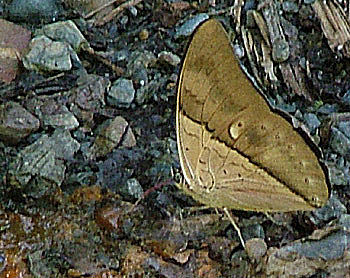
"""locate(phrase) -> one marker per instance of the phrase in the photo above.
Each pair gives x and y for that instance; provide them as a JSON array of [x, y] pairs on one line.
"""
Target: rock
[[312, 122], [60, 117], [290, 7], [344, 127], [39, 167], [65, 145], [90, 93], [169, 58], [131, 190], [320, 249], [146, 92], [340, 143], [304, 259], [129, 139], [88, 98], [189, 26], [121, 94], [220, 248], [280, 50], [121, 55], [253, 231], [344, 221], [48, 55], [64, 31], [144, 34], [35, 11], [256, 248], [16, 123], [110, 135], [332, 210], [118, 167], [14, 42], [328, 109], [137, 66], [339, 172], [346, 98]]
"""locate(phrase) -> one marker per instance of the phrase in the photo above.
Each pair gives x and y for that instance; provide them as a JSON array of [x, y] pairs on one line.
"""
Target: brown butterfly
[[235, 151]]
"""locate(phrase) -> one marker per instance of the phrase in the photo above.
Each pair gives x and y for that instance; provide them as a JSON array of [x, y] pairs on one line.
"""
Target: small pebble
[[121, 94], [312, 122], [169, 58], [255, 248], [290, 7], [190, 25], [144, 34]]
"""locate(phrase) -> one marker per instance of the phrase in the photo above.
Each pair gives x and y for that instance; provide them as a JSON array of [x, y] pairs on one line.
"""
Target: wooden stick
[[116, 11]]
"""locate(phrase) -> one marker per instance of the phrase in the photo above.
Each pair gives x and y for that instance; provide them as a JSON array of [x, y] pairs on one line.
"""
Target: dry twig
[[116, 11]]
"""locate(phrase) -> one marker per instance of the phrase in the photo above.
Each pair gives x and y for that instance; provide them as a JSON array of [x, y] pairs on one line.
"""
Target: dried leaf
[[335, 25]]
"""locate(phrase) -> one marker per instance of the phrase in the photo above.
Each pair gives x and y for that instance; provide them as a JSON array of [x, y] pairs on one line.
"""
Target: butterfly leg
[[235, 226]]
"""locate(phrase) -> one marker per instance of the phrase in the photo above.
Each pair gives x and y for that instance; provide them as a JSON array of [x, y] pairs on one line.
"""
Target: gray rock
[[346, 97], [40, 166], [121, 55], [38, 159], [239, 51], [65, 145], [303, 258], [256, 248], [339, 176], [129, 139], [133, 10], [16, 123], [344, 127], [131, 190], [312, 122], [339, 142], [328, 109], [90, 93], [110, 134], [34, 10], [169, 58], [253, 231], [48, 55], [62, 118], [328, 248], [121, 94], [339, 173], [282, 105], [64, 31], [81, 178], [280, 50], [145, 58], [138, 64], [172, 145], [189, 26], [290, 7], [344, 221], [88, 98], [146, 92], [333, 209], [124, 20]]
